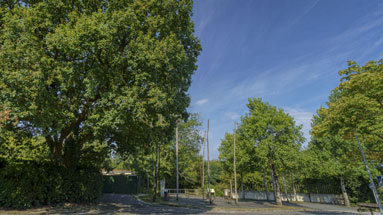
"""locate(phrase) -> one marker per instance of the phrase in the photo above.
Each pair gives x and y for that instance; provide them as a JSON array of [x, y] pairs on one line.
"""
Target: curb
[[141, 201], [165, 204]]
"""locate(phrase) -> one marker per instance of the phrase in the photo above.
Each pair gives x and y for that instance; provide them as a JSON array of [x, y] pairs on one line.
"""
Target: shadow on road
[[120, 203]]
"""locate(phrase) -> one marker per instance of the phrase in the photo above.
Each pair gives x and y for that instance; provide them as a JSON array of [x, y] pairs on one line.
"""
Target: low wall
[[300, 197]]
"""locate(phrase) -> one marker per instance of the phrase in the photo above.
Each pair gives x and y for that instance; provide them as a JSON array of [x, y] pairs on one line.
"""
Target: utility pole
[[372, 185], [158, 171], [235, 170], [208, 162], [203, 168], [177, 157]]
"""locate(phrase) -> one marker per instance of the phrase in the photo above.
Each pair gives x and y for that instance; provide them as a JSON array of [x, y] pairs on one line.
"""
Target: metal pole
[[208, 162], [235, 170], [203, 168], [155, 175], [369, 175], [177, 158]]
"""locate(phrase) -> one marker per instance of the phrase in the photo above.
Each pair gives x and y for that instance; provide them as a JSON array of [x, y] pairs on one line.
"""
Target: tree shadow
[[120, 203]]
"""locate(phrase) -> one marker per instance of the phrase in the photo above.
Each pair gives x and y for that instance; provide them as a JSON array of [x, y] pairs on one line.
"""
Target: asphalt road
[[127, 204], [221, 206]]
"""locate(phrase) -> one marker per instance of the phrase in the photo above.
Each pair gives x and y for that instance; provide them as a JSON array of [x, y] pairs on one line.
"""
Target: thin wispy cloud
[[232, 116], [301, 117], [287, 53], [202, 101]]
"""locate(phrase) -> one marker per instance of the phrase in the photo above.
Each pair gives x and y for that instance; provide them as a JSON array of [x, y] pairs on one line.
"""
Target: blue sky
[[287, 52]]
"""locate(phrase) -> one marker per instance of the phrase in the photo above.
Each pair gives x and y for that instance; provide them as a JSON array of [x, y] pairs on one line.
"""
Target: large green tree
[[354, 107], [111, 71], [272, 138]]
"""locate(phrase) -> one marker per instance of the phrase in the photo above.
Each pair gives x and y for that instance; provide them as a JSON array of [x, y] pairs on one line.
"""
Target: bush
[[27, 183]]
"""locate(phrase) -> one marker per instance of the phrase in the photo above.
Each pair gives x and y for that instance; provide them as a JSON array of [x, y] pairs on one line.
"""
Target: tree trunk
[[71, 154], [243, 192], [278, 200], [273, 183], [284, 185], [345, 195], [265, 183], [147, 182], [293, 186], [155, 175], [56, 149]]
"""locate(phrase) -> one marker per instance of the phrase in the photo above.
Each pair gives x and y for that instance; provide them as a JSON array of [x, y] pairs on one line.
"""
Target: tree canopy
[[356, 105], [76, 72], [268, 138]]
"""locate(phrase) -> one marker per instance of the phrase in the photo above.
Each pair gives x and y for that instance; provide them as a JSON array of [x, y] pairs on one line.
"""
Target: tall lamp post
[[235, 170], [372, 184], [177, 159]]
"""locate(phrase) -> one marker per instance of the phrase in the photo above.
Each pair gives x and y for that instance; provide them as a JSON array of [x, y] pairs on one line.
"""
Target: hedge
[[28, 183]]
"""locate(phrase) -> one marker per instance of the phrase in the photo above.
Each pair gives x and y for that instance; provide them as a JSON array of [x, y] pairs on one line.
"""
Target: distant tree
[[226, 155], [245, 163], [272, 138], [95, 72], [190, 161]]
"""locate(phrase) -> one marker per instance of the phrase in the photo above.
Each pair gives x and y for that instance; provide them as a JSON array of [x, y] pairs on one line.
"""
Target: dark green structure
[[122, 184]]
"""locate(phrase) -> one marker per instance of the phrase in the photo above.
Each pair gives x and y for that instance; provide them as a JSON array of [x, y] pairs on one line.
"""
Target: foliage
[[78, 72], [245, 163], [226, 154], [267, 137], [26, 183], [190, 162], [270, 135], [215, 172], [14, 145], [81, 79], [356, 105]]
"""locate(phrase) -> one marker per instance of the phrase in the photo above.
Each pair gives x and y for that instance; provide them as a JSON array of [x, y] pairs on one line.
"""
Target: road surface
[[127, 204]]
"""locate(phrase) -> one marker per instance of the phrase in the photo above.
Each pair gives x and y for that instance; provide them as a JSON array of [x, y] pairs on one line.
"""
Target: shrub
[[27, 183]]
